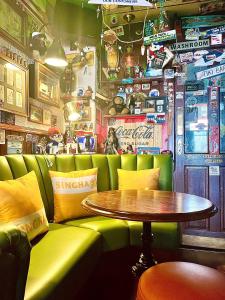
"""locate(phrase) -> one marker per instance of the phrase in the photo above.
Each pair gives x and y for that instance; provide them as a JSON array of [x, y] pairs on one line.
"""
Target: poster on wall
[[137, 134], [2, 137]]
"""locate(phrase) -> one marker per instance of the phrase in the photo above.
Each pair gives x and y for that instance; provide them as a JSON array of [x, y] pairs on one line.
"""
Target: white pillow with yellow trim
[[69, 190], [21, 205]]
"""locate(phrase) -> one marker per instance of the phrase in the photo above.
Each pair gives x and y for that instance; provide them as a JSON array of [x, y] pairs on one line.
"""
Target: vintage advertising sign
[[211, 72], [160, 37], [216, 30], [189, 45], [122, 2], [138, 134], [203, 21]]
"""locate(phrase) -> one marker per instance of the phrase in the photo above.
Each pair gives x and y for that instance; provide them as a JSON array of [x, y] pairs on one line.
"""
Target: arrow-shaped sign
[[122, 2]]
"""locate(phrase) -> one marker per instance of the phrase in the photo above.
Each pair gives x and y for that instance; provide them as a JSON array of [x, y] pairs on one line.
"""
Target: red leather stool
[[181, 281]]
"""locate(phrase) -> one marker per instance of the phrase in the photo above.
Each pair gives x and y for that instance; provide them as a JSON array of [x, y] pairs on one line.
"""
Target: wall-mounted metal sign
[[160, 37], [210, 72], [189, 45], [122, 2]]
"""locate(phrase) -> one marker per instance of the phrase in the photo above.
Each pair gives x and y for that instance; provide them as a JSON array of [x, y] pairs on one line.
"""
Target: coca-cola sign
[[138, 134], [141, 132]]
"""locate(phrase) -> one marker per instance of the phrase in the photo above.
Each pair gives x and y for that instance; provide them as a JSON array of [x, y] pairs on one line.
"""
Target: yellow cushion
[[141, 179], [21, 205], [69, 190]]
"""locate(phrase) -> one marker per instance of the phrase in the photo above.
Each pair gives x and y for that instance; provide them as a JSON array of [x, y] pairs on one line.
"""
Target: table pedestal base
[[146, 258]]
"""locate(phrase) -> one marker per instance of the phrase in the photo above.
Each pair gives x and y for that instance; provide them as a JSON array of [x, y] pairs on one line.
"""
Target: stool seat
[[181, 281]]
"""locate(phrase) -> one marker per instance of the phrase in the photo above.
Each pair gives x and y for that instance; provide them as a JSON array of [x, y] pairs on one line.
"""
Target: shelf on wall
[[140, 116], [135, 80], [22, 129]]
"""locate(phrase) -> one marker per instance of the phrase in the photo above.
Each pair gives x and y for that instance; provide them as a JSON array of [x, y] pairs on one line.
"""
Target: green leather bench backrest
[[14, 166]]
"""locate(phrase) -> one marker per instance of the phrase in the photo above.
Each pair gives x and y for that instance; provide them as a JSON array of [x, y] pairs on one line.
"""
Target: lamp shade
[[72, 111], [55, 55]]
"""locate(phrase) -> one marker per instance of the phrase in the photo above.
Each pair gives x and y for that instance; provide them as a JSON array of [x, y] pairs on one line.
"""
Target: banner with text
[[122, 2]]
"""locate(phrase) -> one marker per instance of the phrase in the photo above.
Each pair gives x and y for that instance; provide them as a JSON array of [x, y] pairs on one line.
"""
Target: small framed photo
[[80, 92], [47, 117], [53, 121], [150, 103], [145, 86], [86, 114], [36, 114]]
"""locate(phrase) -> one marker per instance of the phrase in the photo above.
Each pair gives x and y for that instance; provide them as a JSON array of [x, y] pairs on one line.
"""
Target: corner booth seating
[[61, 259]]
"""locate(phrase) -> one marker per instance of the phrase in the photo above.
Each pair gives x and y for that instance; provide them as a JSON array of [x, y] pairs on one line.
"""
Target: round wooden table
[[147, 206]]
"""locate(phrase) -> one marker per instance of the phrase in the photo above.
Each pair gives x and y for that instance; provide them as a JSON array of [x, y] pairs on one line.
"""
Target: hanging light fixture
[[72, 111], [55, 55]]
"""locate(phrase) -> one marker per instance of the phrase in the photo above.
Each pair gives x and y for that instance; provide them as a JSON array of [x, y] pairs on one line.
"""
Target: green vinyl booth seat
[[67, 254]]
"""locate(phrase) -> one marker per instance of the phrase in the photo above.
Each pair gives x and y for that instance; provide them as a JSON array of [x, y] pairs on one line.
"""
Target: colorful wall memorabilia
[[203, 21], [160, 37]]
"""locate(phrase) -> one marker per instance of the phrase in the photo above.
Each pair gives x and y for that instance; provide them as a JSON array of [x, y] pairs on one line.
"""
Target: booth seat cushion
[[62, 249], [115, 233], [166, 235]]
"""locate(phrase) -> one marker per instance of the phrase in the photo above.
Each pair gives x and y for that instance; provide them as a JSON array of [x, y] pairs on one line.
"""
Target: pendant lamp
[[55, 55]]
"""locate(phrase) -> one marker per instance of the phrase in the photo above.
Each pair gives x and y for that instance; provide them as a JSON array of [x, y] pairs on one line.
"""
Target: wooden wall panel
[[196, 182]]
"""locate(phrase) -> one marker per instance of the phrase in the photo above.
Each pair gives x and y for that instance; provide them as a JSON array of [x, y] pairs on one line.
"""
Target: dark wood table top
[[149, 205]]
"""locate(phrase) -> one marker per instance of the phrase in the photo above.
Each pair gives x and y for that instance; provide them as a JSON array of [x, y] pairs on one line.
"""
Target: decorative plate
[[154, 93]]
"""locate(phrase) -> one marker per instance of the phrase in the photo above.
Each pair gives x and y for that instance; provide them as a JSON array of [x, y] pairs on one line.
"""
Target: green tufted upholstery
[[115, 233], [55, 254], [72, 249]]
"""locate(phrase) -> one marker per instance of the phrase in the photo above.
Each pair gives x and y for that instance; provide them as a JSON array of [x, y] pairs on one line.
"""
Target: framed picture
[[13, 86], [2, 137], [36, 114], [86, 114], [44, 84], [47, 117], [12, 23], [145, 86], [150, 103], [7, 118], [53, 120]]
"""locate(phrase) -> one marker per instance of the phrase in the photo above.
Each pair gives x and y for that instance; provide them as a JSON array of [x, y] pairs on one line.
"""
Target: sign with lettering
[[211, 72], [189, 45], [122, 2], [160, 37], [214, 171], [216, 30], [138, 134], [203, 21]]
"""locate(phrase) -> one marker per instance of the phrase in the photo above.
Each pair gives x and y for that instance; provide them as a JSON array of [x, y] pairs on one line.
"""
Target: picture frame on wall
[[13, 86], [12, 23], [86, 114], [36, 114], [44, 84], [47, 117], [53, 121]]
